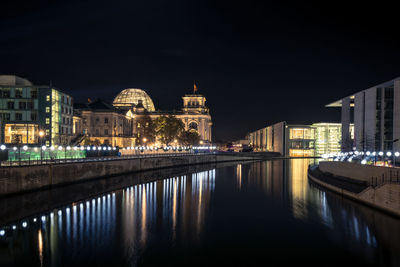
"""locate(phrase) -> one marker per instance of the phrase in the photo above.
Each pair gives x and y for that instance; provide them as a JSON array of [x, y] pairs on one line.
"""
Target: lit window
[[47, 120], [301, 133], [193, 125], [301, 152], [47, 109], [47, 98], [21, 133]]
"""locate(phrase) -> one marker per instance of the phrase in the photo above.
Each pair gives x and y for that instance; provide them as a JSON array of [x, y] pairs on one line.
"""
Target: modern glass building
[[376, 115], [299, 140], [328, 137], [31, 114]]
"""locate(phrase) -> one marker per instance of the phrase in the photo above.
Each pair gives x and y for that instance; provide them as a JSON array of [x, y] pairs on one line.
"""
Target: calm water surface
[[250, 214]]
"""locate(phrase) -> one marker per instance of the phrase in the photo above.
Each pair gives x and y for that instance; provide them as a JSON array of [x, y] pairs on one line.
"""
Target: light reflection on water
[[122, 226]]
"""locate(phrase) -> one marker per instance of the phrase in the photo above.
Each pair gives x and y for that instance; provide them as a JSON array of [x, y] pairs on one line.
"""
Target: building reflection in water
[[267, 177], [298, 186], [181, 201], [124, 223], [287, 180], [170, 207]]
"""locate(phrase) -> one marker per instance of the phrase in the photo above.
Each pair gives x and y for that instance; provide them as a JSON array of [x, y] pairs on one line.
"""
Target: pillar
[[345, 118]]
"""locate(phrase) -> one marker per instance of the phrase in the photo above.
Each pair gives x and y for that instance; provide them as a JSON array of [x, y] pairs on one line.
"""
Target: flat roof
[[338, 103]]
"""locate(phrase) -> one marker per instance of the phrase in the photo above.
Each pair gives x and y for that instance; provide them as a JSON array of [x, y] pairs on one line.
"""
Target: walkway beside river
[[20, 179], [384, 196]]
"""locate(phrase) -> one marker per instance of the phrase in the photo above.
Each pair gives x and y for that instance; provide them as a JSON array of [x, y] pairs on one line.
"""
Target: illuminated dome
[[131, 97]]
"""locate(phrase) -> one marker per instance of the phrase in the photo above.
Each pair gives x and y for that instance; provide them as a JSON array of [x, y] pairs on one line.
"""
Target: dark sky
[[257, 62]]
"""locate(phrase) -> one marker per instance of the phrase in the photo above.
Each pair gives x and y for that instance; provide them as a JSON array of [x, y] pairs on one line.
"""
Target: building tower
[[196, 116]]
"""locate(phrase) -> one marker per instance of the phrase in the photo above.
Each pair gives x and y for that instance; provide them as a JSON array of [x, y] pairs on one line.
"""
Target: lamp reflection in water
[[40, 241], [172, 206], [144, 215], [239, 175]]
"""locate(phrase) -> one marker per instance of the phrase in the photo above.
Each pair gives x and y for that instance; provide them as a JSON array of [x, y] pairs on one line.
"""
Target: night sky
[[257, 62]]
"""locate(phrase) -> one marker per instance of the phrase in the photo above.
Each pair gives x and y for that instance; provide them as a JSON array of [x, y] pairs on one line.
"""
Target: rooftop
[[338, 103], [12, 80]]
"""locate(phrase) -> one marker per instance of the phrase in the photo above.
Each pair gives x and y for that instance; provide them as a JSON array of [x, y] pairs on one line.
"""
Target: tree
[[189, 138], [145, 128], [88, 142], [96, 142], [168, 128]]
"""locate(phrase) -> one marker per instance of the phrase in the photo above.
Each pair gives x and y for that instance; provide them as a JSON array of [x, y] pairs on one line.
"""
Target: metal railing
[[393, 177], [18, 163]]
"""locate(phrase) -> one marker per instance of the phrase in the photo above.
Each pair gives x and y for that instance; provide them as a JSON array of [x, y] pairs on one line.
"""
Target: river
[[247, 214]]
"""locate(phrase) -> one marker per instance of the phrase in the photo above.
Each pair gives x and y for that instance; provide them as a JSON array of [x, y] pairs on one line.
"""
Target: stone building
[[99, 122], [194, 114], [118, 124]]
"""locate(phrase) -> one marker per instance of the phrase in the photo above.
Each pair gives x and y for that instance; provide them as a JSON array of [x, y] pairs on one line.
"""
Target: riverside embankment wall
[[385, 197], [28, 178], [359, 172], [18, 206]]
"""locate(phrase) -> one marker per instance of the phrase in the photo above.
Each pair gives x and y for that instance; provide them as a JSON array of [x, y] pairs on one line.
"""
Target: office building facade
[[376, 115], [31, 114], [298, 140]]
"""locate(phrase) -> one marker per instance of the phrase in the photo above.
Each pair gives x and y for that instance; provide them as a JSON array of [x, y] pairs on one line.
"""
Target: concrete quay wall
[[18, 206], [385, 197], [360, 172], [29, 178]]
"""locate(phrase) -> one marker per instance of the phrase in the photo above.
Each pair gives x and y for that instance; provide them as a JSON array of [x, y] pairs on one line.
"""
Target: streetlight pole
[[393, 153], [41, 134]]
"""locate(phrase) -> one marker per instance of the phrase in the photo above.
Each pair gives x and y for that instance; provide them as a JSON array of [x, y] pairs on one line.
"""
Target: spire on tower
[[194, 87]]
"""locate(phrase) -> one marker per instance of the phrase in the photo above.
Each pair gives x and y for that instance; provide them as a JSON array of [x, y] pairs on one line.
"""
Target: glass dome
[[130, 97]]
